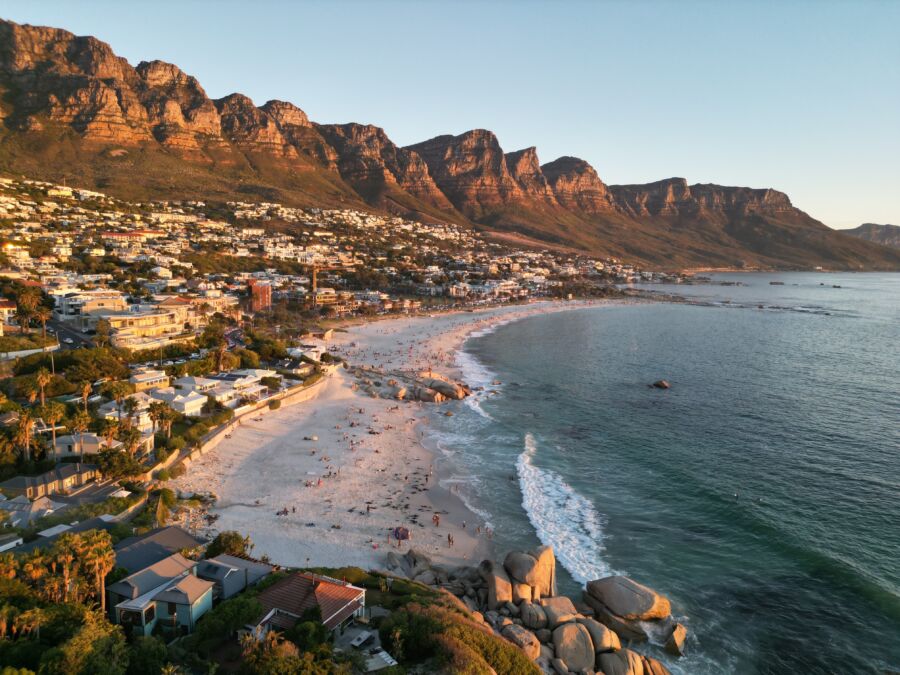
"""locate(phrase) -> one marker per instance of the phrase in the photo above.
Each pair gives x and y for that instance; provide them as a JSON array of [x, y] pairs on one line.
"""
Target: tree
[[131, 439], [43, 378], [23, 434], [80, 423], [147, 656], [52, 413], [100, 559], [109, 429], [86, 389], [117, 464], [97, 647], [131, 407], [117, 391], [229, 542], [43, 314], [102, 336]]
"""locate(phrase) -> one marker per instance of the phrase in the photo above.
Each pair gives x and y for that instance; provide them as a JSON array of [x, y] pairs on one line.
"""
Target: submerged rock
[[675, 643]]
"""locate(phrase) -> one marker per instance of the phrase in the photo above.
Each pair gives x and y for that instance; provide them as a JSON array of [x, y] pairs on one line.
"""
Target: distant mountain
[[886, 235], [71, 109]]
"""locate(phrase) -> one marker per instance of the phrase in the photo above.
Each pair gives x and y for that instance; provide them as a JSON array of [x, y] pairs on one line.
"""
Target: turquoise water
[[761, 493]]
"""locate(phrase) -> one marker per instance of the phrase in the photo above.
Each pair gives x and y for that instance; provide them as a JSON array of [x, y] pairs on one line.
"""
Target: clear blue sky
[[799, 96]]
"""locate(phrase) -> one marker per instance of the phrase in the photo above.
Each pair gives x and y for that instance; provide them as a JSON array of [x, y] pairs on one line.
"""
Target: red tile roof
[[300, 592]]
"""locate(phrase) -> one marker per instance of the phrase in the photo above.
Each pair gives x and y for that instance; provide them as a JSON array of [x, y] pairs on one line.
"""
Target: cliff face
[[577, 186], [471, 170], [373, 164], [886, 235], [69, 107]]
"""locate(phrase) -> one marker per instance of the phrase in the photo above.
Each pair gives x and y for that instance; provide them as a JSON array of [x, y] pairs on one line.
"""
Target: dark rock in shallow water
[[675, 643]]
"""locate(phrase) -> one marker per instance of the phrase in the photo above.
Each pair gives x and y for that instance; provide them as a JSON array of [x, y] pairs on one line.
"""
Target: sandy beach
[[334, 501]]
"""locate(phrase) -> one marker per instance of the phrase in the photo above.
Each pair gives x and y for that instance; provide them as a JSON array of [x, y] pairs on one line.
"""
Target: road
[[65, 331]]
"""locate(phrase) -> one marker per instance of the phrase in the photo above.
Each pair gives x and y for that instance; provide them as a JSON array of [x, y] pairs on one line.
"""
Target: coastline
[[371, 468]]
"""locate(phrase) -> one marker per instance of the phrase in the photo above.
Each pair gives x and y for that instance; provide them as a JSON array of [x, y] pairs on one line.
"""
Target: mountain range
[[71, 109], [887, 235]]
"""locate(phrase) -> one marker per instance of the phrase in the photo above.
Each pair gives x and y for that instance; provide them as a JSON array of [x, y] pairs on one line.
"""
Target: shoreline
[[372, 468]]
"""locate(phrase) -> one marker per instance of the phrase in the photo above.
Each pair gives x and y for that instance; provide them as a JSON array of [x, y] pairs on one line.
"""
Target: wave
[[562, 518]]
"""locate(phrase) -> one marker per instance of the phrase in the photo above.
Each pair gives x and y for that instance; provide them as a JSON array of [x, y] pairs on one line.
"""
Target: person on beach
[[449, 540]]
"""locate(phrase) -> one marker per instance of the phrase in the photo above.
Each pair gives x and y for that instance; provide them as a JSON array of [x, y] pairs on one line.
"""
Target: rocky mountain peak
[[525, 169], [286, 114], [577, 186]]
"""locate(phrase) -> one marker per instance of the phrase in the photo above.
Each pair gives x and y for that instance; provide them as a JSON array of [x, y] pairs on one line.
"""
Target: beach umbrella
[[401, 533]]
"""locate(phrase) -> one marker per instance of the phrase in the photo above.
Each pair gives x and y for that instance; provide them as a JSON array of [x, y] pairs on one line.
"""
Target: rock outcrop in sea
[[518, 599]]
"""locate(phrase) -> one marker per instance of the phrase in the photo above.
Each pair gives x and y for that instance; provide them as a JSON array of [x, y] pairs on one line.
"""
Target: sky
[[799, 96]]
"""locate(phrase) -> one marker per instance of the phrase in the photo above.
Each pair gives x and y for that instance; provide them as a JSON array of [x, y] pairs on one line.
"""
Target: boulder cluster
[[426, 386], [518, 600]]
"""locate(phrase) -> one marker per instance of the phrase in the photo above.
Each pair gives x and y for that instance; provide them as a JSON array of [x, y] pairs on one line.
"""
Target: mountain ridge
[[71, 108]]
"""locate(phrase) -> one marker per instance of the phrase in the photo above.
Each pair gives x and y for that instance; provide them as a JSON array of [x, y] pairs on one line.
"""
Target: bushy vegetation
[[417, 633]]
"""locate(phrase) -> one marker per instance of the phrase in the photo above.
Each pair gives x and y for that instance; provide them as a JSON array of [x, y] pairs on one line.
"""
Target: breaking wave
[[562, 518]]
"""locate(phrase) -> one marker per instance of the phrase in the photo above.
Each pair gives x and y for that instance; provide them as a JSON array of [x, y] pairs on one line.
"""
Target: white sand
[[266, 465]]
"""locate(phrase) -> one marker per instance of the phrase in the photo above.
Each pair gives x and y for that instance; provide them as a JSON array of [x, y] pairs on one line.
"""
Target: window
[[173, 609], [149, 614]]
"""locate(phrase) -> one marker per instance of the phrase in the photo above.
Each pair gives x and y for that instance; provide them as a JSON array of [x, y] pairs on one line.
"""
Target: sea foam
[[562, 518]]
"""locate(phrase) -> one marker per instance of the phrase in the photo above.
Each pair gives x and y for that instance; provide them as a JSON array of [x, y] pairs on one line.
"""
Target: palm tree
[[100, 559], [30, 621], [221, 350], [80, 424], [27, 302], [9, 566], [67, 555], [131, 439], [34, 569], [131, 406], [43, 378], [110, 431], [42, 313], [86, 389], [118, 391], [156, 412], [52, 413], [24, 430]]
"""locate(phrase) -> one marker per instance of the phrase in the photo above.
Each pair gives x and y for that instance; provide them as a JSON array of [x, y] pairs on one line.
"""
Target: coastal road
[[66, 332]]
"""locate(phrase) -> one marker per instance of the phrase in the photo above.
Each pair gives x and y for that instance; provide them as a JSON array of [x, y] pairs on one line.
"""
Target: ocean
[[761, 493]]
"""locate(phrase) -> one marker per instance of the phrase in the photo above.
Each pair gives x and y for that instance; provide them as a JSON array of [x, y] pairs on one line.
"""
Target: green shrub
[[177, 471], [163, 475], [274, 405]]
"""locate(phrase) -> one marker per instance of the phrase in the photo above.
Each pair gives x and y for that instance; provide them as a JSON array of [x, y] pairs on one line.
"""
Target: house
[[186, 402], [46, 538], [136, 553], [60, 479], [73, 445], [296, 367], [148, 378], [198, 384], [231, 574], [167, 593], [112, 410], [7, 311], [286, 601], [23, 511], [8, 541]]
